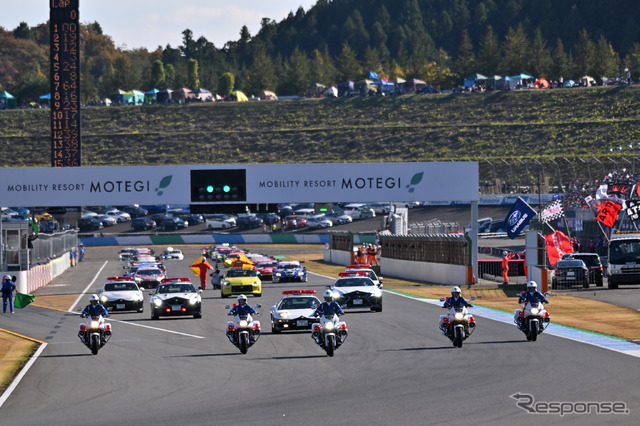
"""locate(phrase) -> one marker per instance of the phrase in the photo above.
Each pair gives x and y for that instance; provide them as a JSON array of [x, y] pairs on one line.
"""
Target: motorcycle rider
[[241, 308], [93, 309], [456, 300], [328, 307], [532, 295]]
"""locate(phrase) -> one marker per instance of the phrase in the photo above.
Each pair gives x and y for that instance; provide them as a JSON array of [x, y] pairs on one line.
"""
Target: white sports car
[[357, 290], [121, 294], [175, 297], [171, 253], [293, 311]]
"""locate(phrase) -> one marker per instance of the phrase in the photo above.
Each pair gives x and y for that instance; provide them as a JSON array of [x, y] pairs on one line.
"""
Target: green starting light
[[209, 189], [226, 188]]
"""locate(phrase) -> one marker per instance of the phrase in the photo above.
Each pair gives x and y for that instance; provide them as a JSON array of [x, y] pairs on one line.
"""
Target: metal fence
[[433, 227], [50, 246], [451, 249]]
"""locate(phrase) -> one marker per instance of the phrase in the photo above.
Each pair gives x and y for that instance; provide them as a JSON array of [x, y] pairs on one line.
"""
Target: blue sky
[[153, 23]]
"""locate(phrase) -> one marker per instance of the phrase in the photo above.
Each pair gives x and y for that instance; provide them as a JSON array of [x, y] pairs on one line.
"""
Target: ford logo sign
[[514, 217]]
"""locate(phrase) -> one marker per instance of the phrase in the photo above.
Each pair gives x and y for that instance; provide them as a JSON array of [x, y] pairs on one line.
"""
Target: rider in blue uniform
[[328, 307], [532, 296], [94, 309], [242, 308], [456, 300]]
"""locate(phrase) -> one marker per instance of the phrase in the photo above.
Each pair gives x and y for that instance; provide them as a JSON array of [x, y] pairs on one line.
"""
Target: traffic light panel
[[218, 185]]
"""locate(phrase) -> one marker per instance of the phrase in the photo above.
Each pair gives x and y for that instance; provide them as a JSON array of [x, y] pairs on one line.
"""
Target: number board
[[65, 83]]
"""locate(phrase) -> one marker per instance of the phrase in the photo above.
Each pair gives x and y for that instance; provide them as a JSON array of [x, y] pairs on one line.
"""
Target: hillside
[[520, 127]]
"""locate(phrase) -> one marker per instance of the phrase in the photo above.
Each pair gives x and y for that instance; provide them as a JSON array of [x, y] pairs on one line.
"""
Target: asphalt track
[[395, 368]]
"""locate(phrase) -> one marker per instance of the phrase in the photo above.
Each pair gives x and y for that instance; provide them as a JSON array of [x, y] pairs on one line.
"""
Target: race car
[[364, 267], [121, 294], [149, 277], [266, 269], [171, 253], [293, 311], [357, 290], [237, 259], [241, 281], [291, 270], [175, 297]]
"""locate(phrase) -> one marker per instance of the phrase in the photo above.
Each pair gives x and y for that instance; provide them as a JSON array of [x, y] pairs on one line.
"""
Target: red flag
[[609, 213], [557, 245]]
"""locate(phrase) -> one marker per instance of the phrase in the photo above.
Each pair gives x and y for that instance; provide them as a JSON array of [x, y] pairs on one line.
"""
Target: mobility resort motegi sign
[[264, 183]]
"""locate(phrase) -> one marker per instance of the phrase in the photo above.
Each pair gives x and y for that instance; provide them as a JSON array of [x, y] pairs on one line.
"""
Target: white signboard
[[265, 183]]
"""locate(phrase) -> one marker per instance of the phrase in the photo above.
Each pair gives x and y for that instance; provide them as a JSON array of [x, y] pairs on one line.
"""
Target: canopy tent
[[201, 94], [153, 93], [315, 89], [522, 77], [569, 83], [491, 82], [239, 96], [541, 83], [164, 96], [8, 100], [587, 81], [473, 80], [399, 84], [134, 97], [268, 96], [331, 92], [346, 89], [181, 94], [506, 83], [414, 85], [385, 85], [107, 101]]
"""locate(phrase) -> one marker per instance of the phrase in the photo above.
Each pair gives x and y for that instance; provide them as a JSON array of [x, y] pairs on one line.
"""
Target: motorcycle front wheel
[[330, 347], [533, 332], [95, 344], [457, 342], [244, 344]]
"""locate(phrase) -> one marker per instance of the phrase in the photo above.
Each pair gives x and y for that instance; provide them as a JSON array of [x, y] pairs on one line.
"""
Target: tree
[[539, 56], [347, 65], [23, 31], [584, 52], [226, 84], [561, 63], [606, 62], [297, 72], [516, 49], [122, 74], [188, 47], [632, 61], [193, 77], [466, 62], [489, 56], [158, 77], [322, 67], [261, 75]]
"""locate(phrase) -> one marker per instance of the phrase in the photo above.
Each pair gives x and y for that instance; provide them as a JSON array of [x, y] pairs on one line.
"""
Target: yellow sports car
[[241, 281]]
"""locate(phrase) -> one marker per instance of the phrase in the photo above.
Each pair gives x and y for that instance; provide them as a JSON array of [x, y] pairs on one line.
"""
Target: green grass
[[516, 125]]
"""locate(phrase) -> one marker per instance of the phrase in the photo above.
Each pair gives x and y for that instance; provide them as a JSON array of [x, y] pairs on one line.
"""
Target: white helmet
[[7, 277], [204, 259], [242, 297], [93, 297], [327, 294], [454, 290], [532, 284], [504, 253]]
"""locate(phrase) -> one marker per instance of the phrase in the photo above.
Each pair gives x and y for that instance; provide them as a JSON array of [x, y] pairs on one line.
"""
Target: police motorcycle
[[95, 333], [532, 319], [243, 332], [458, 324], [329, 333]]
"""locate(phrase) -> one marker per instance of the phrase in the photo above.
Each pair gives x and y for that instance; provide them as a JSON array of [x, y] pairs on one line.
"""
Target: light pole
[[559, 174], [510, 171]]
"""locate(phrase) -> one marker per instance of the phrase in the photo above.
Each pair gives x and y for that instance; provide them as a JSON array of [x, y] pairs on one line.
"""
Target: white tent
[[331, 92]]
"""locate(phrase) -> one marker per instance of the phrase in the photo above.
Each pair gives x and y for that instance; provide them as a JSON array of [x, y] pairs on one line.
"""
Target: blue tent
[[522, 77], [8, 101], [346, 89], [473, 80]]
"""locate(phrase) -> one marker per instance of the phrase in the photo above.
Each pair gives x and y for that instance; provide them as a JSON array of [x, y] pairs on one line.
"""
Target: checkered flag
[[552, 211]]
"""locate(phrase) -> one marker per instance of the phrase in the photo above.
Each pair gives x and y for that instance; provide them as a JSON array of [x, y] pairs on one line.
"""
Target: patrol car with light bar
[[293, 311]]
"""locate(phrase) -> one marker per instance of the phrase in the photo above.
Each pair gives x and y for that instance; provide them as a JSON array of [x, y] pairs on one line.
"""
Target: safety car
[[356, 291], [149, 277], [293, 311], [171, 253], [175, 297], [360, 267], [241, 281], [290, 270], [121, 294]]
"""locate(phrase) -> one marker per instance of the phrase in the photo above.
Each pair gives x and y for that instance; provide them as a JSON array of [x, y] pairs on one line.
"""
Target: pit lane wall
[[38, 276], [206, 239]]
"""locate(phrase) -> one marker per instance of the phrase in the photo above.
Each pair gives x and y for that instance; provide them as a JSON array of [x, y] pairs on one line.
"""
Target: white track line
[[22, 373]]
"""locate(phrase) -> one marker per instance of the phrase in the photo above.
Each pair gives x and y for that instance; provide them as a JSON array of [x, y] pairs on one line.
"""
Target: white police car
[[121, 294], [293, 311], [175, 297], [355, 290]]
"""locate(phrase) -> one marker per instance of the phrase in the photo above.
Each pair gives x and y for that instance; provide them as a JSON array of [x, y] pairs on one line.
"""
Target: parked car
[[106, 220], [220, 221], [142, 224], [135, 211], [568, 273], [318, 222], [173, 223], [269, 218], [248, 221], [592, 261], [120, 216], [87, 224]]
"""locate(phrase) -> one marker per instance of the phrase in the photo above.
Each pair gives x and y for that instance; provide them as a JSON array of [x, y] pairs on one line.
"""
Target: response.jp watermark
[[562, 408]]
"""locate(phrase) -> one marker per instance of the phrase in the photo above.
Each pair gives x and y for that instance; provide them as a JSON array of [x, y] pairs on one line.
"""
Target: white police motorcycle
[[329, 333], [243, 332], [95, 333], [458, 324], [532, 320]]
